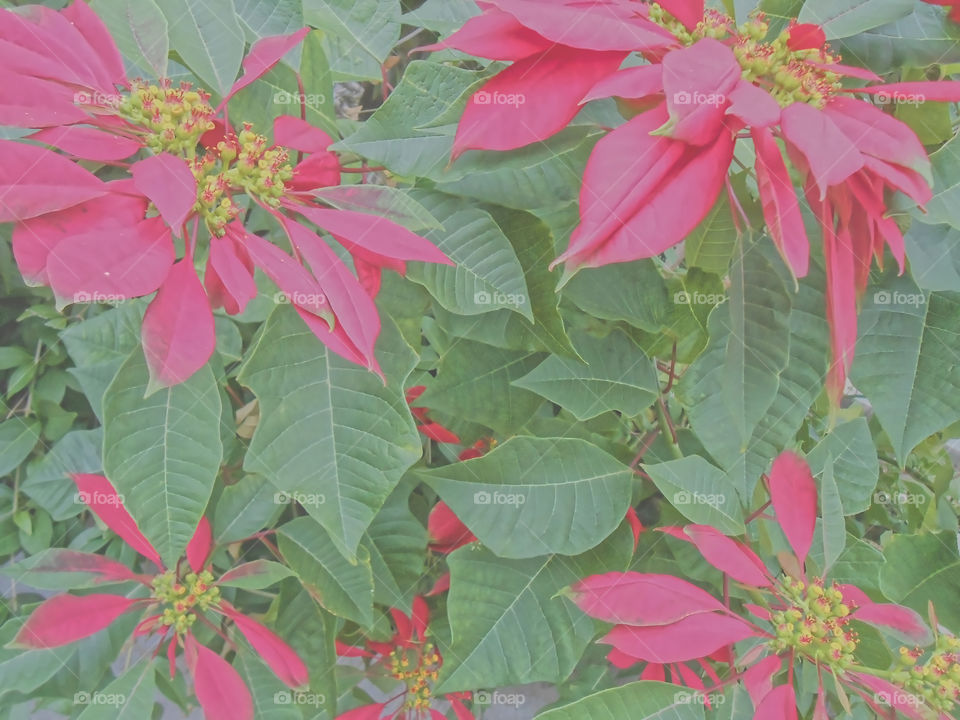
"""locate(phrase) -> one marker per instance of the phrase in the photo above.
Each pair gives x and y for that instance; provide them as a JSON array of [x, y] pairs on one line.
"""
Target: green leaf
[[475, 381], [17, 438], [99, 346], [713, 242], [936, 577], [934, 252], [942, 208], [616, 376], [832, 528], [208, 38], [48, 482], [317, 78], [355, 438], [729, 390], [25, 670], [399, 135], [162, 452], [272, 700], [262, 18], [853, 458], [487, 275], [134, 692], [906, 362], [509, 626], [700, 492], [442, 16], [631, 292], [140, 30], [637, 700], [243, 508], [343, 588], [843, 18], [536, 496], [373, 25], [397, 542], [49, 569]]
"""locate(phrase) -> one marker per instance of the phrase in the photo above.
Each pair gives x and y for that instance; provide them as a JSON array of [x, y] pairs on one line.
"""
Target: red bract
[[414, 661], [954, 6], [652, 180], [662, 619], [92, 241], [177, 600]]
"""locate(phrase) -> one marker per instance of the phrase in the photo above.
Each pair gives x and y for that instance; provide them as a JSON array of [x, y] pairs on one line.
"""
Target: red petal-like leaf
[[896, 617], [178, 330], [355, 310], [892, 696], [495, 35], [754, 105], [99, 39], [221, 691], [279, 656], [292, 132], [375, 234], [198, 549], [420, 617], [100, 496], [88, 143], [35, 181], [634, 83], [726, 554], [436, 431], [74, 561], [794, 496], [64, 619], [532, 99], [758, 679], [264, 54], [778, 704], [111, 262], [806, 36], [691, 638], [781, 208], [830, 154], [914, 92], [319, 170], [170, 185], [228, 279], [697, 82], [31, 102], [641, 599], [447, 532]]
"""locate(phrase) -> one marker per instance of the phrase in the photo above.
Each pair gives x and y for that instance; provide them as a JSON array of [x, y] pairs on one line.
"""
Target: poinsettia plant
[[554, 359]]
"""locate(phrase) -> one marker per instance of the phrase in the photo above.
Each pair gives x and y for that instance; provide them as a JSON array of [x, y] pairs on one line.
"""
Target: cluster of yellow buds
[[174, 117], [936, 679], [183, 597], [417, 668], [815, 624], [239, 163], [788, 75]]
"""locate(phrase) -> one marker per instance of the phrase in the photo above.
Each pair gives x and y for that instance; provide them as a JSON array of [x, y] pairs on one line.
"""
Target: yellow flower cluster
[[417, 668], [174, 118], [815, 624], [183, 597], [937, 679]]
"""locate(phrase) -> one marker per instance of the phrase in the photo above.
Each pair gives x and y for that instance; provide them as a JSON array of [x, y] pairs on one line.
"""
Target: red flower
[[178, 598], [432, 430], [91, 241], [653, 179], [661, 619], [410, 658]]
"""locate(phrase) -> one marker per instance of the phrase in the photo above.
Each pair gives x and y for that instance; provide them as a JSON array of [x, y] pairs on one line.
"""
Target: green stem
[[666, 429]]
